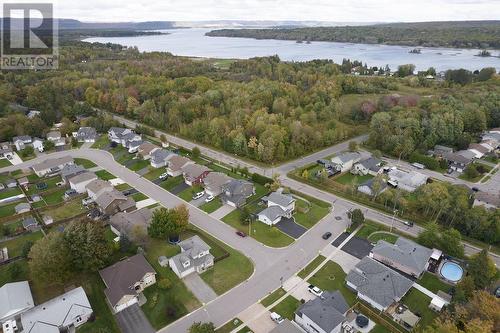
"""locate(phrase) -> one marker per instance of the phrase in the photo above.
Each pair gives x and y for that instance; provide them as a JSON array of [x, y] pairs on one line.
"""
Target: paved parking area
[[223, 211], [298, 288], [199, 288], [345, 260], [145, 203], [133, 320], [179, 188], [200, 201], [358, 247], [289, 227], [259, 324], [340, 239]]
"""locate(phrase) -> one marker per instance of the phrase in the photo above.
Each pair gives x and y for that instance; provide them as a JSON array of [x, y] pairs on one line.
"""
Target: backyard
[[15, 246], [433, 283], [349, 179], [69, 209], [418, 303]]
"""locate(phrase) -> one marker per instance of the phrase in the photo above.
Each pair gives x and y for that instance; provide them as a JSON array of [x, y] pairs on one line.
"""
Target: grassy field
[[331, 277], [308, 214], [154, 173], [69, 209], [138, 165], [287, 307], [229, 326], [273, 297], [4, 163], [212, 206], [105, 175], [15, 246], [50, 182], [7, 193], [172, 182], [390, 238], [9, 210], [54, 197], [418, 303], [87, 164], [101, 143], [311, 266], [348, 179], [123, 187], [139, 196], [433, 283], [265, 234], [187, 194]]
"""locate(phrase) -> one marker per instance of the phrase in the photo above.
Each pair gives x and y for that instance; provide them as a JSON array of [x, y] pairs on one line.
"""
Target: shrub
[[262, 180]]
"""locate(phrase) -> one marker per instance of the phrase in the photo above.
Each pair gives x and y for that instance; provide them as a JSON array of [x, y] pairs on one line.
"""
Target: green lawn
[[380, 329], [270, 236], [15, 246], [308, 215], [368, 228], [187, 194], [85, 163], [418, 303], [7, 193], [139, 165], [102, 142], [433, 283], [311, 266], [105, 175], [69, 209], [123, 187], [481, 175], [212, 206], [139, 196], [172, 182], [273, 297], [229, 326], [348, 179], [154, 173], [54, 197], [287, 307], [4, 163], [9, 210], [331, 277], [51, 184], [390, 238]]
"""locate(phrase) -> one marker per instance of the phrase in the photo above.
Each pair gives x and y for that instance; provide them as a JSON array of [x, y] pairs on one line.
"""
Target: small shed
[[437, 304], [23, 207], [11, 183], [163, 261], [436, 254], [47, 219], [23, 181], [29, 223]]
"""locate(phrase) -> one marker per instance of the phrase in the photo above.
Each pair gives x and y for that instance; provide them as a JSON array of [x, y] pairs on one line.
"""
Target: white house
[[15, 298], [79, 182], [370, 166], [21, 141], [407, 181], [194, 257], [324, 314], [279, 206], [160, 157], [345, 161], [98, 186], [38, 144]]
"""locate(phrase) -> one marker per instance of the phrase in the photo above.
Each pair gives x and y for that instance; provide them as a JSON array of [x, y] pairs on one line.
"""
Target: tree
[[125, 243], [405, 70], [482, 269], [464, 290], [202, 328], [26, 248], [48, 145], [460, 76], [471, 171], [163, 139], [357, 217], [195, 152], [169, 222], [486, 73], [451, 243]]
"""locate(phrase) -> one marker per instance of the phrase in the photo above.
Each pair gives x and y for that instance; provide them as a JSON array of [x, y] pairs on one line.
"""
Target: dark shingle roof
[[326, 311]]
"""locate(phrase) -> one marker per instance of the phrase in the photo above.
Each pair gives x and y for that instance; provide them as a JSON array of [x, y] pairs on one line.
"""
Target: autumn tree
[[169, 222], [202, 328], [482, 269]]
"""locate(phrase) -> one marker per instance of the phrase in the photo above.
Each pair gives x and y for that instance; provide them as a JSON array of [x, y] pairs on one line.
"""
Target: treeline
[[471, 34], [68, 34]]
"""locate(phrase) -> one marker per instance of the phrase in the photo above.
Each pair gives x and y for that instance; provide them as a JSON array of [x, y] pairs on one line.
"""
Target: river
[[193, 42]]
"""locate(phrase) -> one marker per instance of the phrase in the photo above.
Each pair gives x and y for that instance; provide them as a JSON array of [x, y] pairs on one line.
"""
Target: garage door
[[126, 305]]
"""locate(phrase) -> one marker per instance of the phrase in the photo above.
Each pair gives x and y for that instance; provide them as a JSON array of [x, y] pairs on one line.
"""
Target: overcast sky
[[318, 10]]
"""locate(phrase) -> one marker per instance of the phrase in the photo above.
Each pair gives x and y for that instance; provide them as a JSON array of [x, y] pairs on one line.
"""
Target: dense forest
[[466, 34], [261, 108]]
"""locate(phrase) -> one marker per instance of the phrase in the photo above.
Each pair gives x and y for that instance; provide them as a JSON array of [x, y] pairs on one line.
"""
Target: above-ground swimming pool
[[451, 271]]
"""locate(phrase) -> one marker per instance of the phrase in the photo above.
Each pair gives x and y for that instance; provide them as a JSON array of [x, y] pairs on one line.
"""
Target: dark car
[[241, 233], [475, 189], [327, 235]]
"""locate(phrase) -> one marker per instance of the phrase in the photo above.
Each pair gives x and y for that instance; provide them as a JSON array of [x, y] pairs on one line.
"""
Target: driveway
[[298, 289], [343, 236], [260, 318], [221, 212], [133, 320], [200, 201], [179, 188], [289, 227], [199, 288], [358, 247], [345, 260], [145, 203]]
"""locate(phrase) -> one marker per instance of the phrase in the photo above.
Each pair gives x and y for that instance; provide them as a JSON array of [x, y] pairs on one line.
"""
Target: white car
[[87, 201], [209, 198], [198, 195], [315, 290], [163, 176], [276, 318]]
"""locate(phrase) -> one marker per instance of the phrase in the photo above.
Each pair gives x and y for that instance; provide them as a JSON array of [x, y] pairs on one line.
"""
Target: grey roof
[[191, 248], [117, 130], [372, 164], [378, 282], [121, 277], [53, 135], [194, 170], [83, 177], [177, 162], [160, 155], [286, 327], [489, 198], [15, 296], [56, 313], [29, 222], [326, 311], [124, 222], [98, 184], [442, 149], [215, 180], [412, 178], [456, 158], [86, 133], [53, 163], [24, 138], [22, 206], [237, 191], [467, 154], [273, 212], [10, 181], [71, 170], [347, 156], [146, 147], [279, 199], [369, 184], [107, 197], [405, 252]]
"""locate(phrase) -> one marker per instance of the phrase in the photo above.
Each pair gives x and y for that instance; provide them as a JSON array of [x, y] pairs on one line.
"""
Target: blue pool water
[[452, 271]]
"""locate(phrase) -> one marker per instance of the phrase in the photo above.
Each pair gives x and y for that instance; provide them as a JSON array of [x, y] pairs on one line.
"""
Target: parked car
[[209, 198], [418, 165], [475, 189], [315, 290], [198, 195], [276, 318], [87, 201], [408, 223], [163, 176], [327, 235], [241, 234]]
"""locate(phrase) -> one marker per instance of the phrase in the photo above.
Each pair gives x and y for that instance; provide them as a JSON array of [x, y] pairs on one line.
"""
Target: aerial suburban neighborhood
[[148, 188]]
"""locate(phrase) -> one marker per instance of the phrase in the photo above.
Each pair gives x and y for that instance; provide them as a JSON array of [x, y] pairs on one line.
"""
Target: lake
[[193, 42]]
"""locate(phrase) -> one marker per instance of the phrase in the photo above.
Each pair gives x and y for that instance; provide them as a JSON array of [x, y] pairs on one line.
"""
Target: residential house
[[10, 183], [279, 206], [287, 326], [405, 256], [440, 151], [492, 138], [30, 223], [6, 150], [86, 134], [63, 313], [124, 223], [21, 141], [175, 165], [377, 284], [214, 181], [125, 137], [55, 136], [33, 113], [368, 188], [406, 180], [160, 157], [15, 298], [38, 144], [194, 173], [145, 150], [133, 145], [480, 149], [345, 161], [125, 281], [323, 314], [24, 182], [487, 200], [457, 162], [115, 134], [236, 192], [23, 207], [467, 154], [97, 187], [112, 202], [80, 181], [370, 166], [195, 256], [71, 170], [52, 165]]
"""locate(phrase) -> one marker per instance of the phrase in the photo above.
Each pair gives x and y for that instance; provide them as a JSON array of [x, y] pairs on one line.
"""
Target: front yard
[[287, 307], [85, 163], [104, 175], [212, 206], [308, 213]]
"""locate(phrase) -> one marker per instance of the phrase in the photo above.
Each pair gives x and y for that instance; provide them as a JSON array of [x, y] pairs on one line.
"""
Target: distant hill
[[456, 34], [71, 24]]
